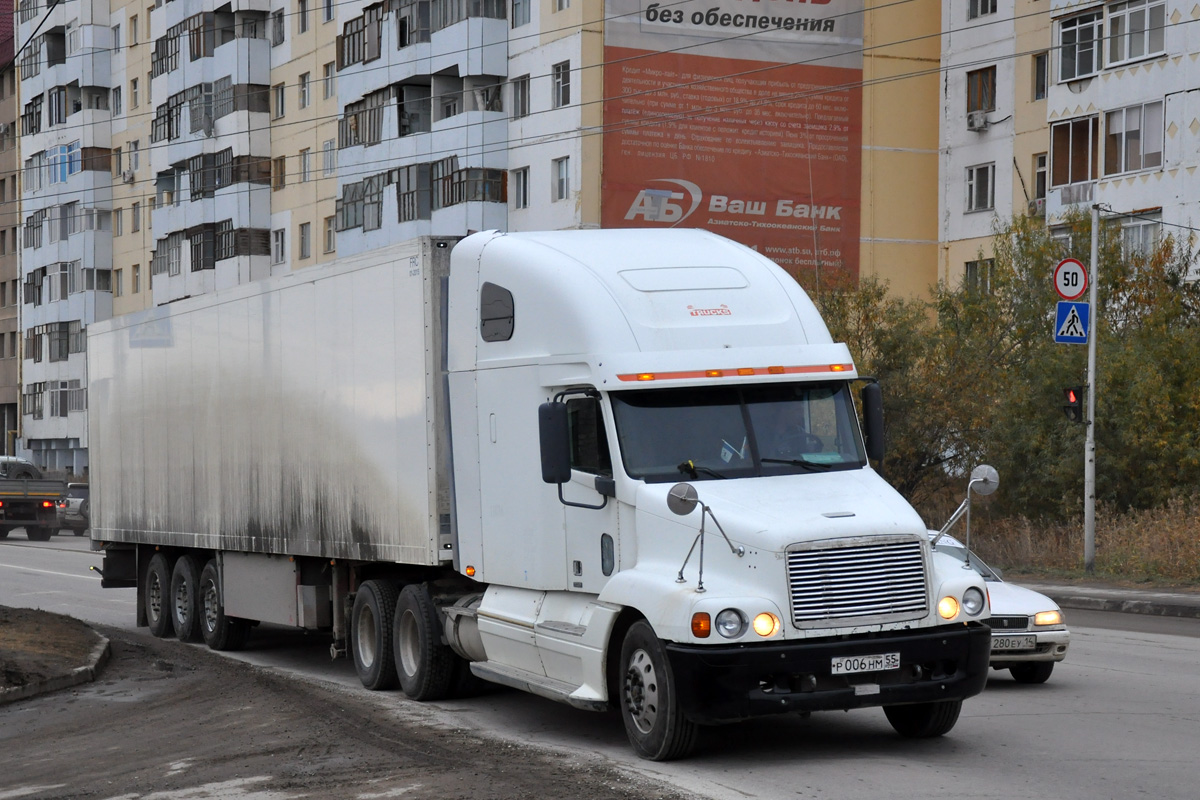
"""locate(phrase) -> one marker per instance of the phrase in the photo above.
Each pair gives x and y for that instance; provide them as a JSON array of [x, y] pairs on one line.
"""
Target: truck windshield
[[737, 431]]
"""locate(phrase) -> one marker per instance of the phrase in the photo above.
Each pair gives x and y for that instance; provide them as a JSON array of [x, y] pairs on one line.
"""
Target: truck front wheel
[[425, 665], [219, 631], [371, 634], [924, 720], [654, 720], [156, 593]]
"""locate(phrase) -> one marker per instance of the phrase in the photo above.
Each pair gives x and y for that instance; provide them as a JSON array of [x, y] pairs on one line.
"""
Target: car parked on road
[[1029, 633], [73, 509]]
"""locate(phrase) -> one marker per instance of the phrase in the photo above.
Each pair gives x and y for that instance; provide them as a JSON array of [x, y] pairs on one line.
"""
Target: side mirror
[[555, 437], [872, 401], [682, 499]]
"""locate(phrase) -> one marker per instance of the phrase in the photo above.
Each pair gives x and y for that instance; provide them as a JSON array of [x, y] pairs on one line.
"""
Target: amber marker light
[[948, 608], [1047, 618], [775, 370], [766, 624], [470, 572], [701, 625], [714, 373], [645, 376], [745, 371]]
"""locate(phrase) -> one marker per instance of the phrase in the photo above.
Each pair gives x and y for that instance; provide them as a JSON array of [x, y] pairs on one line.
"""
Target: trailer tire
[[39, 533], [218, 631], [650, 708], [1032, 671], [424, 664], [924, 720], [185, 598], [156, 595], [4, 532], [371, 634]]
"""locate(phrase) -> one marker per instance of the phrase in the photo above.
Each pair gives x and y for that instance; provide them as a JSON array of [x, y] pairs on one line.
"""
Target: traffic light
[[1074, 407]]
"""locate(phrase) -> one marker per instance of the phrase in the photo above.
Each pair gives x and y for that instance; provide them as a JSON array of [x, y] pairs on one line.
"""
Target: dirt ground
[[35, 645], [164, 720]]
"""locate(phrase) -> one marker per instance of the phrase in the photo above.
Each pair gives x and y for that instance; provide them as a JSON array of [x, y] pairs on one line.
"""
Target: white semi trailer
[[615, 468]]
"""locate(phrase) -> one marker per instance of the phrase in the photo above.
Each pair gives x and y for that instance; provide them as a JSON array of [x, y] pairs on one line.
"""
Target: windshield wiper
[[811, 466], [690, 469]]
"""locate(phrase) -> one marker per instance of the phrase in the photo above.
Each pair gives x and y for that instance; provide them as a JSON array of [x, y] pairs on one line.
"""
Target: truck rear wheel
[[371, 634], [156, 596], [39, 533], [654, 719], [185, 599], [218, 631], [425, 665], [924, 720]]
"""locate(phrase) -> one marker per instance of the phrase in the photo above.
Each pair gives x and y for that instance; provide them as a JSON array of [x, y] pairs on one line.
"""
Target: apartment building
[[10, 269], [1049, 109]]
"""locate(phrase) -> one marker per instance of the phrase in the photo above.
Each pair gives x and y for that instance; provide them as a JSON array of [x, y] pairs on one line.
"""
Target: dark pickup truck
[[29, 501]]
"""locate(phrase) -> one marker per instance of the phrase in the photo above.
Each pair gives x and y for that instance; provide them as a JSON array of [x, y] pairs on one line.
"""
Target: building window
[[137, 278], [277, 245], [114, 101], [302, 16], [981, 89], [305, 165], [977, 276], [979, 8], [560, 83], [1133, 138], [520, 104], [279, 95], [330, 234], [327, 10], [981, 191], [118, 288], [133, 93], [520, 12], [1040, 176], [1140, 235], [279, 173], [1073, 151], [118, 221], [277, 28], [329, 157], [1135, 30], [305, 240], [1079, 46], [562, 178], [520, 184], [303, 90], [562, 5], [135, 217], [1041, 75], [133, 29], [327, 79]]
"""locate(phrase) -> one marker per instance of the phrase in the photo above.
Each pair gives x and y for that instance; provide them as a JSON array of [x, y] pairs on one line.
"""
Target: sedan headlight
[[972, 601], [1047, 618], [731, 623]]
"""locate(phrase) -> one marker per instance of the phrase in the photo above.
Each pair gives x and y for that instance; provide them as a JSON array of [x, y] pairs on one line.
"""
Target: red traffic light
[[1074, 407]]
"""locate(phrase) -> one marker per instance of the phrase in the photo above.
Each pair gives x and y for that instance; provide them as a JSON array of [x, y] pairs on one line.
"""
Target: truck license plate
[[843, 665], [1014, 642]]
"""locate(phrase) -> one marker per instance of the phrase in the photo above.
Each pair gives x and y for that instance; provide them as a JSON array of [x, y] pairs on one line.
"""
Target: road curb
[[84, 674], [1156, 608]]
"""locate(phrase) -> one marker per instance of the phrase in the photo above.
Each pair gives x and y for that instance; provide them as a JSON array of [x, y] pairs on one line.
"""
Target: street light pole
[[1089, 450]]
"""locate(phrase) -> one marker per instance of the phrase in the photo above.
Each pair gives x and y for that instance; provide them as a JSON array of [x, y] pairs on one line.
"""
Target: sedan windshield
[[737, 431]]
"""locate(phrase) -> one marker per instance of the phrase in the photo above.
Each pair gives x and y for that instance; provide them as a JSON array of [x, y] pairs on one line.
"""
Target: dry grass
[[1159, 545]]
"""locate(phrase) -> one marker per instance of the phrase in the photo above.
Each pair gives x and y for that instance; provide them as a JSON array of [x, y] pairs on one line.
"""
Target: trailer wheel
[[1032, 671], [425, 665], [39, 533], [185, 598], [4, 532], [156, 594], [924, 720], [218, 631], [654, 719], [371, 634]]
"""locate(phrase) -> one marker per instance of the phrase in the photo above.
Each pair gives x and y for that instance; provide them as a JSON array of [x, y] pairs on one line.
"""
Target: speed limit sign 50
[[1070, 279]]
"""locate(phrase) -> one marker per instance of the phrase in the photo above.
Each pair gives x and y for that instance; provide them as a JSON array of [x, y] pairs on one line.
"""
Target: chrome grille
[[880, 580]]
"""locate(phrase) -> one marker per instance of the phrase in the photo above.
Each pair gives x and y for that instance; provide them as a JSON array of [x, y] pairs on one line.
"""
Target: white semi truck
[[617, 468]]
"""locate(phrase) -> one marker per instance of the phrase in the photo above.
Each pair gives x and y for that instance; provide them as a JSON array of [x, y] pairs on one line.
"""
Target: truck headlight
[[731, 623], [972, 601], [766, 624], [948, 607]]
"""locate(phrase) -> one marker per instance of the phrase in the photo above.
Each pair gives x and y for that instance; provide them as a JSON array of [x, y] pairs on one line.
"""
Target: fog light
[[1047, 618], [766, 624], [948, 608], [972, 601], [701, 625], [731, 623]]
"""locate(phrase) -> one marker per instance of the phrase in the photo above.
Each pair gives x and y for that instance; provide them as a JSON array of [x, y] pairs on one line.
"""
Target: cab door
[[591, 533]]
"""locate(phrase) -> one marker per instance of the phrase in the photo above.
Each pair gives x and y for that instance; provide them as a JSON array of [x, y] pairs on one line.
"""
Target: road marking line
[[48, 572]]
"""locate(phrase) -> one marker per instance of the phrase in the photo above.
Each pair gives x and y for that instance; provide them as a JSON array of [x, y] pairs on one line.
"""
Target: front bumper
[[725, 684], [1051, 646]]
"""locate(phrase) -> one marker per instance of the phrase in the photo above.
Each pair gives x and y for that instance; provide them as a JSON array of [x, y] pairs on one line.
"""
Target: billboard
[[743, 117]]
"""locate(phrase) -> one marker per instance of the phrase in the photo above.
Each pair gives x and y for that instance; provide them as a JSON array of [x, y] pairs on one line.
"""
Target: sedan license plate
[[843, 665], [1027, 642]]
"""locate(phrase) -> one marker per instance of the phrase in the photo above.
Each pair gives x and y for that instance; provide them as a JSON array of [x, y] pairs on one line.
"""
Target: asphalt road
[[1117, 719]]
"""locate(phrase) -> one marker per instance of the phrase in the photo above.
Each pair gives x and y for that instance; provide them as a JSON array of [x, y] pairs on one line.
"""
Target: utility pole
[[1089, 450]]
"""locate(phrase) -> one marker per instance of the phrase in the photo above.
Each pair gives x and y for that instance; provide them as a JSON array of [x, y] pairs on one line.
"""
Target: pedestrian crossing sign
[[1071, 322]]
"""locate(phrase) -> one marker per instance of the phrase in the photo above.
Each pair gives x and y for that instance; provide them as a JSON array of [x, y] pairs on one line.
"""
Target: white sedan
[[1029, 634]]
